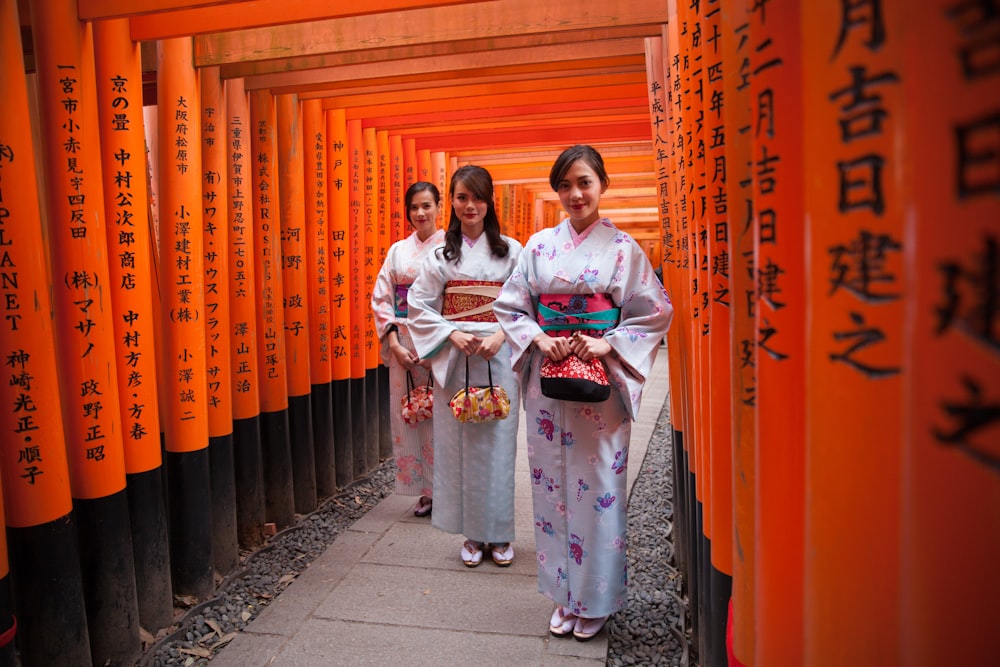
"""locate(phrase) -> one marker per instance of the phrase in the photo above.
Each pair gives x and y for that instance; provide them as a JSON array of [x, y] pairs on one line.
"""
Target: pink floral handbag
[[478, 405], [417, 404]]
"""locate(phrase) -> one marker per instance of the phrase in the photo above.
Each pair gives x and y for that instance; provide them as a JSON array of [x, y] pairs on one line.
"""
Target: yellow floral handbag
[[478, 405]]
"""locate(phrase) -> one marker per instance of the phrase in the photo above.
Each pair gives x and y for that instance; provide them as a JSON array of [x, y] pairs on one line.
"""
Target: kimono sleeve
[[427, 326]]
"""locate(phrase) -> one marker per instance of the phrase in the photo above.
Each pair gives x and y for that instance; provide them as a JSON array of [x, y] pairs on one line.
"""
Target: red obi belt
[[564, 314], [470, 300]]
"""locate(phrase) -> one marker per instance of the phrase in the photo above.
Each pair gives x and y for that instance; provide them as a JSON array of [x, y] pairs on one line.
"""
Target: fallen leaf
[[212, 623]]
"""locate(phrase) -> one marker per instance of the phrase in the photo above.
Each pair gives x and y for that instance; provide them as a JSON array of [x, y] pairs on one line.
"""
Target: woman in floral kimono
[[412, 444], [452, 323], [585, 288]]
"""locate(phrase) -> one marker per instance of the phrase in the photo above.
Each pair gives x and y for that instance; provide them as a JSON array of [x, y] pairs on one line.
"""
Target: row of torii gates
[[185, 284]]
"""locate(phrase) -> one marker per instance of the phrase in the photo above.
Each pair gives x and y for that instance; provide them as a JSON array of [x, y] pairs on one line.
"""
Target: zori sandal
[[472, 553], [423, 506], [587, 628], [503, 554], [562, 622]]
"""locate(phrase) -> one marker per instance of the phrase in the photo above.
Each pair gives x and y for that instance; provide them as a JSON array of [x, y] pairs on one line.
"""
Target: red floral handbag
[[417, 404], [573, 379]]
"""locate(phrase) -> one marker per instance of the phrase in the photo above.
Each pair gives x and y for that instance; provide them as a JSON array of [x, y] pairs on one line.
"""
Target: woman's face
[[470, 210], [423, 213], [580, 193]]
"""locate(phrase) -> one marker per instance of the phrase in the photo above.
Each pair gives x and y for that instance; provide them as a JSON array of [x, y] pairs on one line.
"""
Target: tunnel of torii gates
[[188, 349]]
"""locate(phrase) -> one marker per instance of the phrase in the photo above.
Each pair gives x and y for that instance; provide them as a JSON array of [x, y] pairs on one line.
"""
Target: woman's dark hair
[[418, 187], [579, 152], [479, 182]]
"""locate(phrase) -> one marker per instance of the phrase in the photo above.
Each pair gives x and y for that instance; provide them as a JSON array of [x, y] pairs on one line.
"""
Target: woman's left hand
[[489, 346], [587, 347]]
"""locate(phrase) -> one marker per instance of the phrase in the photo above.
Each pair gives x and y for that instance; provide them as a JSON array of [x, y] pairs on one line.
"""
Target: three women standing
[[584, 288], [412, 444], [453, 326]]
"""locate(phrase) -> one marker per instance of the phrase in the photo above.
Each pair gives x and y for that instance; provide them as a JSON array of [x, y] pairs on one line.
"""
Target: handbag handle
[[409, 381], [489, 375]]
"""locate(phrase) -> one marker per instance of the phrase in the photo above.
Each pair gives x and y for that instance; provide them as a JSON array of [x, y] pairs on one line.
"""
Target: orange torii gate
[[780, 160]]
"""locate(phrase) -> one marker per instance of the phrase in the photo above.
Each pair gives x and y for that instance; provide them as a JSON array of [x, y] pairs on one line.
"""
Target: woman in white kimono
[[452, 321], [412, 444], [583, 287]]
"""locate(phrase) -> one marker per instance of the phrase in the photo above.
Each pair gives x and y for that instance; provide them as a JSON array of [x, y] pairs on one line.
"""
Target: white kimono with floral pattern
[[474, 463], [412, 444], [578, 452]]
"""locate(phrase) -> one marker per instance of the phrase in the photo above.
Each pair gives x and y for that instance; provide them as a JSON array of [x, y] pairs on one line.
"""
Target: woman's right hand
[[466, 342], [555, 348]]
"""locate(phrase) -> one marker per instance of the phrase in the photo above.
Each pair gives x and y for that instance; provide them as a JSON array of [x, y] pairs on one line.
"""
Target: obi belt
[[564, 314], [401, 306], [470, 300]]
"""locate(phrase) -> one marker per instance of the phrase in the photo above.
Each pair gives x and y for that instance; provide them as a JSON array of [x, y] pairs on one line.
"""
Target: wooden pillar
[[215, 214], [38, 510], [742, 297], [356, 293], [130, 240], [411, 170], [856, 154], [318, 266], [248, 466], [779, 268], [371, 226], [295, 285], [384, 229], [950, 533], [182, 289], [84, 317], [340, 294], [279, 496], [397, 190]]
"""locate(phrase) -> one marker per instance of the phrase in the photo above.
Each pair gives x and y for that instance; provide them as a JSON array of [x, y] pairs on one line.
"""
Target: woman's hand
[[555, 348], [465, 342], [404, 357], [587, 347], [489, 346]]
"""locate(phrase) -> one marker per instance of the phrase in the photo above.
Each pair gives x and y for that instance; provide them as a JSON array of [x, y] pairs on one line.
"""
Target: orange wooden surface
[[75, 221], [36, 484], [242, 291], [372, 235], [411, 168], [950, 541], [715, 275], [776, 133], [356, 241], [340, 247], [264, 188], [856, 156], [293, 256], [398, 223], [425, 168], [742, 292], [317, 230], [123, 152], [215, 193], [385, 236], [182, 277]]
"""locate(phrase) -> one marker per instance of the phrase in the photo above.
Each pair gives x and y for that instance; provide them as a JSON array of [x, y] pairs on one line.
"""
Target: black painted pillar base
[[225, 542], [359, 419], [8, 624], [700, 578], [343, 433], [323, 441], [681, 511], [48, 594], [720, 589], [150, 548], [384, 430], [371, 420], [248, 474], [108, 570], [303, 457], [279, 497], [190, 512]]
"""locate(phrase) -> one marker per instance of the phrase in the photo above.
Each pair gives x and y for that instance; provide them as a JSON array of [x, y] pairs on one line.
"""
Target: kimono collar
[[579, 238]]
